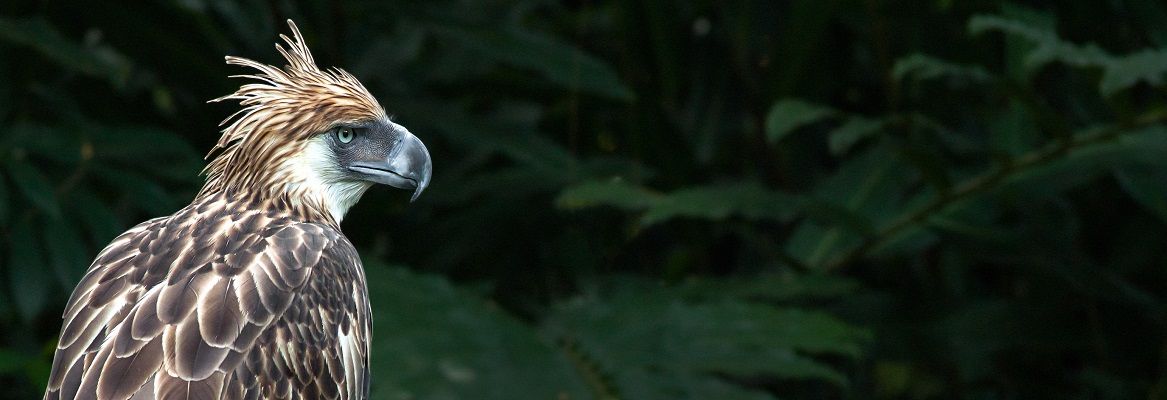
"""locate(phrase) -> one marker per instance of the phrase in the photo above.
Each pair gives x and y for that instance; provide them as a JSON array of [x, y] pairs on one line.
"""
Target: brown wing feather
[[84, 320], [153, 319], [319, 348]]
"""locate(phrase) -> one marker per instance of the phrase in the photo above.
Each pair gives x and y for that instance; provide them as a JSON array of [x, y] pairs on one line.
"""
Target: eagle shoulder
[[172, 307]]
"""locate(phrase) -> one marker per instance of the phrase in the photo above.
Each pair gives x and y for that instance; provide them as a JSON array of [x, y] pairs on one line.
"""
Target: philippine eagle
[[251, 291]]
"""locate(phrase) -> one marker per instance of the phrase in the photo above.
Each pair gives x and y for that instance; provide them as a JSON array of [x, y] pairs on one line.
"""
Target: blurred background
[[835, 199]]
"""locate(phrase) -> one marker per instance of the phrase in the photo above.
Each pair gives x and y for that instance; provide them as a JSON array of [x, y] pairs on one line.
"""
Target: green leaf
[[163, 150], [520, 144], [651, 345], [146, 193], [1047, 46], [1109, 385], [1084, 164], [1100, 282], [26, 271], [1147, 186], [921, 67], [539, 153], [811, 23], [771, 286], [1123, 72], [1119, 73], [37, 33], [931, 166], [54, 143], [438, 342], [7, 99], [717, 202], [864, 193], [851, 132], [101, 223], [559, 62], [1013, 131], [387, 55], [615, 193], [12, 362], [788, 115], [977, 333], [65, 251], [4, 200], [519, 182], [831, 214], [35, 187], [1017, 49]]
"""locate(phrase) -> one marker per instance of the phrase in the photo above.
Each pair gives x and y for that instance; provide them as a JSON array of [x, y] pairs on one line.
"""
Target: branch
[[988, 181]]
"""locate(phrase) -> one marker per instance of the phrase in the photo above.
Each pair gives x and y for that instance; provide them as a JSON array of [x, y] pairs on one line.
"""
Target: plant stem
[[988, 181]]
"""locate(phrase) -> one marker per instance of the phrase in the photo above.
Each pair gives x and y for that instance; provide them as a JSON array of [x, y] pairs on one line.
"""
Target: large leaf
[[1088, 162], [1123, 72], [559, 62], [40, 35], [1119, 72], [651, 344], [27, 275], [858, 197], [711, 202], [35, 187], [1147, 185], [12, 361], [1048, 47], [55, 143], [518, 142], [100, 222], [434, 341], [614, 193], [788, 115], [147, 193], [167, 154], [66, 251], [4, 200], [771, 287], [853, 131], [513, 182], [717, 202], [920, 67]]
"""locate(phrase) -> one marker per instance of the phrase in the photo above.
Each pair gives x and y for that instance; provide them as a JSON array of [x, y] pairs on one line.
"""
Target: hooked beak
[[407, 167]]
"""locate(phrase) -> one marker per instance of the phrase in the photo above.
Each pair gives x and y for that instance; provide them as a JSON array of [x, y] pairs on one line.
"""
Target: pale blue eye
[[345, 135]]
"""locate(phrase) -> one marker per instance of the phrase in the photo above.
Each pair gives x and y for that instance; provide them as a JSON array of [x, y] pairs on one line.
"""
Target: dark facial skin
[[384, 153]]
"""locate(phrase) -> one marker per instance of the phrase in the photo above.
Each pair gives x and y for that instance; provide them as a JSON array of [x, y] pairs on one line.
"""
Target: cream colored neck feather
[[315, 176]]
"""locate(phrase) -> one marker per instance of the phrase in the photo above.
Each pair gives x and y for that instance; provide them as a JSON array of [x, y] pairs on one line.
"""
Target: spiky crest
[[280, 112]]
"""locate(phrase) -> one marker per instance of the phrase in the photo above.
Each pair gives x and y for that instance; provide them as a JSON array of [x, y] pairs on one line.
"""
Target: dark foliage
[[657, 200]]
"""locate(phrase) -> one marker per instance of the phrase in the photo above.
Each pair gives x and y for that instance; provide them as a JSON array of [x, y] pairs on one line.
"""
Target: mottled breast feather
[[221, 300]]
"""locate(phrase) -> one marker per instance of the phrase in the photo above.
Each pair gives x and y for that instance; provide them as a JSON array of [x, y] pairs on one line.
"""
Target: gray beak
[[407, 167]]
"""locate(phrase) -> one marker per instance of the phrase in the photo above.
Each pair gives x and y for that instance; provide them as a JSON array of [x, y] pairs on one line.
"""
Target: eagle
[[251, 291]]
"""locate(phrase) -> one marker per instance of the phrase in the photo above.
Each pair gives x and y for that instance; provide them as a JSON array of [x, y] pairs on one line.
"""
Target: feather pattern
[[288, 311], [249, 292]]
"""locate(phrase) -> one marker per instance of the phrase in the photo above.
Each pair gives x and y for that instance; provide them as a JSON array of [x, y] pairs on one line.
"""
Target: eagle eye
[[344, 134]]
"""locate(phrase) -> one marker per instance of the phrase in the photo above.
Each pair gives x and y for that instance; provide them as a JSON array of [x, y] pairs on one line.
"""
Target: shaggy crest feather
[[286, 107]]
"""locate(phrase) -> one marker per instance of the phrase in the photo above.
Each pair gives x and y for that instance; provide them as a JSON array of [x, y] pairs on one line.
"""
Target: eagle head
[[314, 138]]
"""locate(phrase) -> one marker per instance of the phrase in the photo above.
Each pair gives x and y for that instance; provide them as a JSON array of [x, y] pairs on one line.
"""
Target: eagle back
[[225, 299]]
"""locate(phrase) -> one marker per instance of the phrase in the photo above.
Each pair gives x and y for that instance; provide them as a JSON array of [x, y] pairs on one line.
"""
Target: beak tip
[[421, 185], [423, 180]]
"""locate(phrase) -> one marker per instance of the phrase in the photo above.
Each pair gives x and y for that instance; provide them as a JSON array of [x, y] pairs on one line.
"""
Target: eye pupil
[[345, 135]]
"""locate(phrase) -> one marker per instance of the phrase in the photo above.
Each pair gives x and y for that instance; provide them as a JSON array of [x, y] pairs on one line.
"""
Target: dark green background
[[837, 199]]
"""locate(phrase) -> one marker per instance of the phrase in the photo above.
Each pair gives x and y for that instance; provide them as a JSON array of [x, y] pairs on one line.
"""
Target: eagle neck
[[278, 203]]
